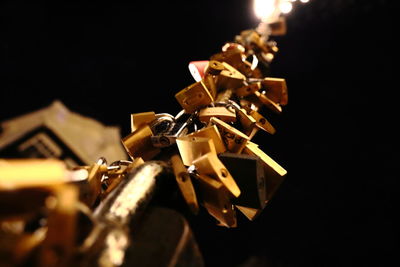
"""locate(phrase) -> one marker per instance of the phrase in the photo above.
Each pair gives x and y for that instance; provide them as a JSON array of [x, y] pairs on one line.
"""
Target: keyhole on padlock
[[224, 173], [183, 176]]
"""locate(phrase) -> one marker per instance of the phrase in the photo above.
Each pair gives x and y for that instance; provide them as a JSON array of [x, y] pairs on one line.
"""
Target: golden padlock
[[223, 113], [212, 133], [138, 144], [214, 67], [235, 58], [210, 165], [276, 90], [275, 107], [229, 78], [185, 183], [90, 188], [234, 139], [194, 97], [216, 199], [248, 123], [191, 148], [248, 89], [209, 82], [261, 121], [141, 119]]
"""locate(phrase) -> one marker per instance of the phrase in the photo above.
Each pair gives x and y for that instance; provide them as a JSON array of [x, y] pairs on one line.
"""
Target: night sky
[[336, 137]]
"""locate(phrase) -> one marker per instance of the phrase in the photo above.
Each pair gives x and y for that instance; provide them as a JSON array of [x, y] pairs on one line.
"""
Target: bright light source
[[286, 7], [266, 9], [304, 1]]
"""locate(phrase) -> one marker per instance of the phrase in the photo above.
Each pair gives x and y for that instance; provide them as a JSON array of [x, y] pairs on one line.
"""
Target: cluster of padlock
[[81, 214], [209, 142]]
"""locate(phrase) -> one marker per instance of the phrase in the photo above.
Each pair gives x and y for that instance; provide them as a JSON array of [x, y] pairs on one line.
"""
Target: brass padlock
[[194, 97], [213, 69], [275, 107], [248, 89], [212, 133], [261, 121], [276, 90], [191, 148], [234, 139], [229, 78], [216, 199], [274, 173], [210, 165], [90, 188], [223, 113], [141, 119], [248, 123], [185, 184], [237, 59], [139, 144]]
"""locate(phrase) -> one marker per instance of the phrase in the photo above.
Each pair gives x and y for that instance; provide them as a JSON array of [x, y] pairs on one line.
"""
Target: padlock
[[223, 113], [209, 82], [234, 139], [275, 107], [229, 78], [90, 188], [276, 90], [210, 165], [185, 184], [214, 68], [248, 122], [139, 144], [216, 199], [212, 133], [191, 148], [194, 97], [248, 89], [274, 173], [174, 129], [251, 120], [140, 119], [261, 121], [235, 58], [248, 172]]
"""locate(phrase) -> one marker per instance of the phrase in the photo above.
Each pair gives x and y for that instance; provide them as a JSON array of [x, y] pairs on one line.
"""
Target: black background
[[336, 138]]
